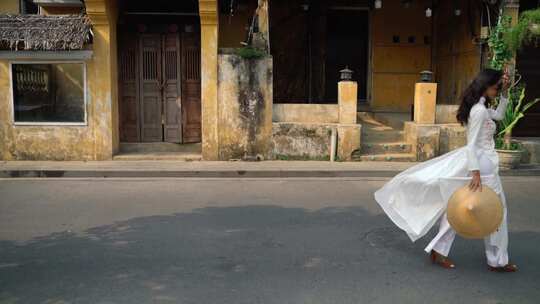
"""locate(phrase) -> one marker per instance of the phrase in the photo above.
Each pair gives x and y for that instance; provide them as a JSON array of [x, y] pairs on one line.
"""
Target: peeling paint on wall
[[245, 107]]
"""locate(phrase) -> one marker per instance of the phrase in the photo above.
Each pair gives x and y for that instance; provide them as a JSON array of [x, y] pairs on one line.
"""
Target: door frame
[[136, 41]]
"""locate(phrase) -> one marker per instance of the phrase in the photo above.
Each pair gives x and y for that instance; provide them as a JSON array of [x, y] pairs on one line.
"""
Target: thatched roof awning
[[45, 33]]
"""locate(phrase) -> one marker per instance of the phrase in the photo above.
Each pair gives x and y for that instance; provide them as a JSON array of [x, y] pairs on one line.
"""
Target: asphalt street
[[293, 240]]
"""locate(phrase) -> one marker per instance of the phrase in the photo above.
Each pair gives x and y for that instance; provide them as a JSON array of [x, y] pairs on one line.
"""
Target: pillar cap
[[426, 76], [346, 74]]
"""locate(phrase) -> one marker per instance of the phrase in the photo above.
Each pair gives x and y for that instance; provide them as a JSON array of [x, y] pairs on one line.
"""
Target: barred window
[[48, 93]]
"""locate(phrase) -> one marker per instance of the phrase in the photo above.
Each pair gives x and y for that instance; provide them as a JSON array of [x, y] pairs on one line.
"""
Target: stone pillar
[[6, 110], [102, 79], [245, 107], [425, 96], [348, 140], [209, 82], [348, 130], [424, 139], [347, 100]]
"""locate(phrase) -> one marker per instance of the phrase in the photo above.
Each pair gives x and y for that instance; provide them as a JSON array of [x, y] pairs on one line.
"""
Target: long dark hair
[[475, 90]]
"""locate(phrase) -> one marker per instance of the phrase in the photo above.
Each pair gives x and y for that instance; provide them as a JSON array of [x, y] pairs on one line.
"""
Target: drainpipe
[[333, 144]]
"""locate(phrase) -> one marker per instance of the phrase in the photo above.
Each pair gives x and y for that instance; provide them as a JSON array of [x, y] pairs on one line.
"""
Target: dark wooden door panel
[[346, 45], [172, 87], [160, 87], [128, 88], [150, 94], [191, 88]]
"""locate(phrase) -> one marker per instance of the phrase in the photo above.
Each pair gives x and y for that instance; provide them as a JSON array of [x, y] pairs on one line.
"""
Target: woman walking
[[417, 197]]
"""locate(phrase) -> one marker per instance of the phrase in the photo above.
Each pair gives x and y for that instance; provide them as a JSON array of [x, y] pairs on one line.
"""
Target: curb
[[221, 173]]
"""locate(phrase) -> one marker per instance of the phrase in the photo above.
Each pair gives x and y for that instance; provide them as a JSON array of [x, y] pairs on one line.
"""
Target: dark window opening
[[49, 93], [28, 7]]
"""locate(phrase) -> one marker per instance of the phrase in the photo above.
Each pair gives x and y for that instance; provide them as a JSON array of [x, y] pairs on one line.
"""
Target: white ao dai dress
[[416, 198]]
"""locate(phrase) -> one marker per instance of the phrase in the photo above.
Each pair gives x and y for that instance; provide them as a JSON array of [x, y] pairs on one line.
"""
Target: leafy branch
[[526, 31], [501, 53]]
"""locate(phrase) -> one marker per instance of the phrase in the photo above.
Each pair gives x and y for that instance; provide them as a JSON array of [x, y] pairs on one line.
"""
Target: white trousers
[[442, 242]]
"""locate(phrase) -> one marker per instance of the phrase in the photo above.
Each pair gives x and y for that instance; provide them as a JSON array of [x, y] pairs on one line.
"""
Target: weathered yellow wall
[[9, 7], [308, 113], [312, 141], [98, 140], [303, 131], [209, 81], [245, 107], [102, 79], [395, 66], [39, 142]]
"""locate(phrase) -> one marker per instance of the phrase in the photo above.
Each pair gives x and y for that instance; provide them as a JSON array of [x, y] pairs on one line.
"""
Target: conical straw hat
[[474, 214]]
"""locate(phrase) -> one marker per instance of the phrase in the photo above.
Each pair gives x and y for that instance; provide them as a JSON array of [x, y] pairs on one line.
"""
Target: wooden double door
[[160, 87]]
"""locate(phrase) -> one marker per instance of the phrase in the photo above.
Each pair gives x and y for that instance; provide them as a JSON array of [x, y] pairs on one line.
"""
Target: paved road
[[241, 241]]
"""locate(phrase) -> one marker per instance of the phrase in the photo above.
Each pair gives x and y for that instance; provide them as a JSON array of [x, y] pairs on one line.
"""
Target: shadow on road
[[258, 254]]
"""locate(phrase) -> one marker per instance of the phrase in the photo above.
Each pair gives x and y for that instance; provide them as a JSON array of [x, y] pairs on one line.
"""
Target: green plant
[[499, 144], [249, 52], [501, 52], [515, 110], [526, 31]]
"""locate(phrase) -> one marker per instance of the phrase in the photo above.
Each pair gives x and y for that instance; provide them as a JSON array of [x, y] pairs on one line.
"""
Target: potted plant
[[504, 41], [509, 151]]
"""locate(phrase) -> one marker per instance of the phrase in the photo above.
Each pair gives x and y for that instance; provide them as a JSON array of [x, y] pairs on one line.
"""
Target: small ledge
[[46, 55], [61, 3]]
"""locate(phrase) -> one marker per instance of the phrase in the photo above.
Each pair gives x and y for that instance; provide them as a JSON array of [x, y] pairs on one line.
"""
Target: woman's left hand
[[476, 181], [505, 82]]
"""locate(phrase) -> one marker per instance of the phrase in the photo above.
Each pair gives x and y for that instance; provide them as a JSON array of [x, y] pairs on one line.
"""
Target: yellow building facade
[[173, 76], [97, 138]]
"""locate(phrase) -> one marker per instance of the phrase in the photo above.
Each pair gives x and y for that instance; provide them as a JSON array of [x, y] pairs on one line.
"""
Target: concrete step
[[142, 156], [385, 148], [382, 136], [159, 147], [394, 157], [393, 119], [363, 116]]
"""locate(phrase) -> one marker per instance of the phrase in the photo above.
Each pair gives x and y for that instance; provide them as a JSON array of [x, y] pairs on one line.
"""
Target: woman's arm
[[474, 126], [498, 114]]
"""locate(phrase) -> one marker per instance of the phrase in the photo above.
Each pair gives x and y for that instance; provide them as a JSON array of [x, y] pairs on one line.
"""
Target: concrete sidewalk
[[207, 169]]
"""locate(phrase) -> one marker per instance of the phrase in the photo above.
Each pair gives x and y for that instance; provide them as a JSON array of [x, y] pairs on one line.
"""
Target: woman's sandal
[[506, 268], [441, 260]]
